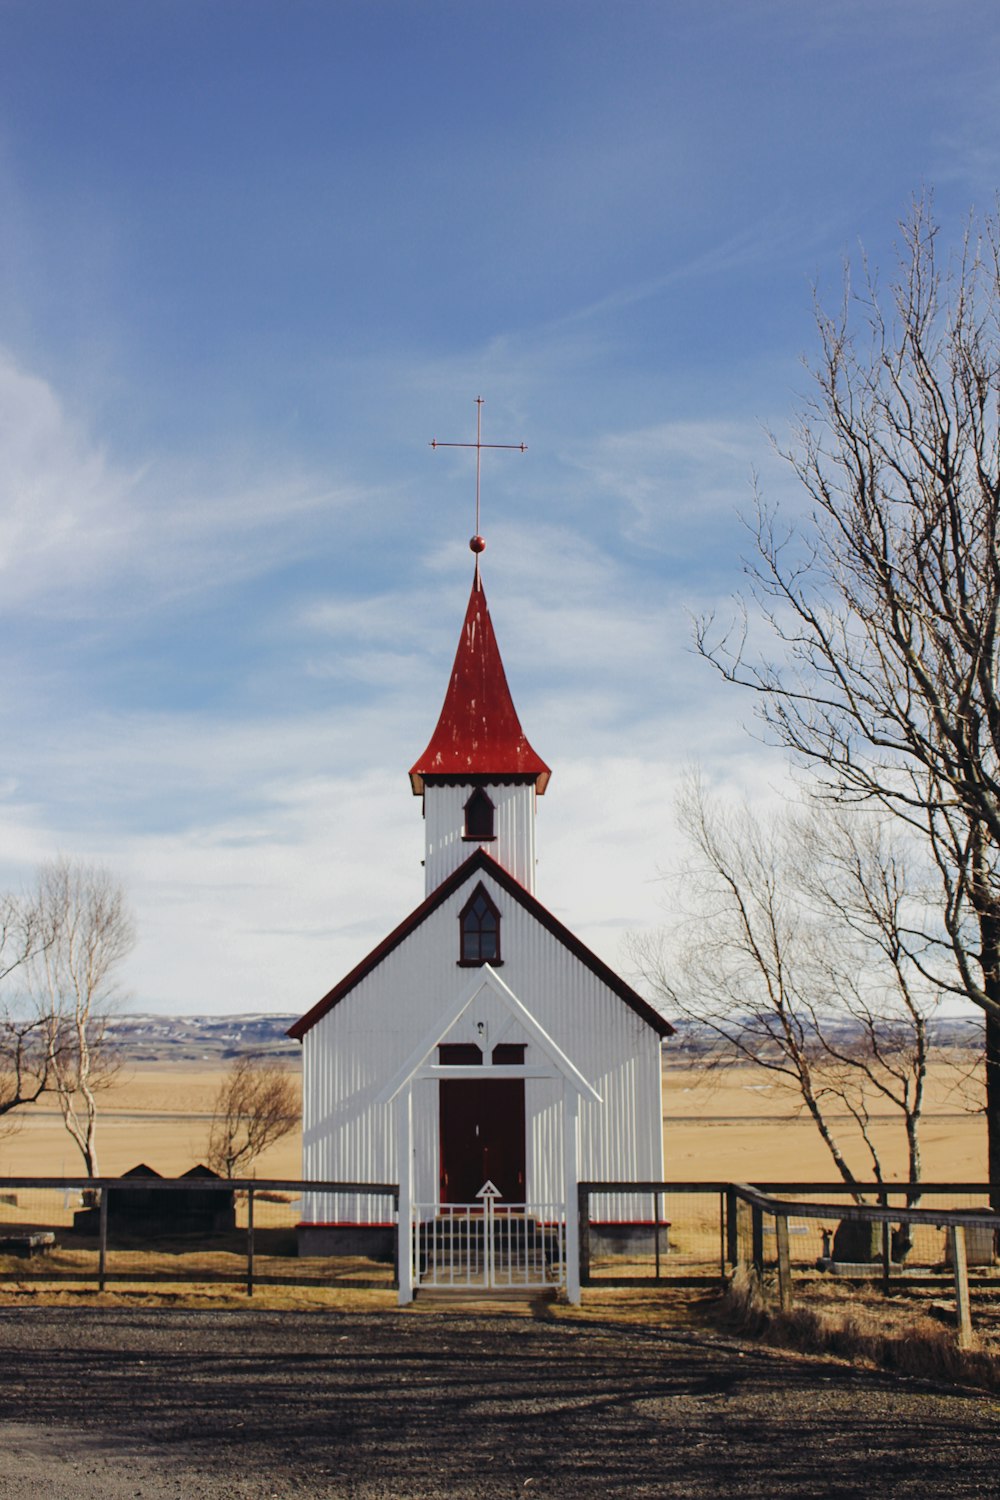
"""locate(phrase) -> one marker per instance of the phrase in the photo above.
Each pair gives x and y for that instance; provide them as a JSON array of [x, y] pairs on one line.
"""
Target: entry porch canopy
[[399, 1090]]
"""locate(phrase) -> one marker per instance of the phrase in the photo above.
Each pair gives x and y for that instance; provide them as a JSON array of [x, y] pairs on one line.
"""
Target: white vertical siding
[[444, 820], [368, 1037]]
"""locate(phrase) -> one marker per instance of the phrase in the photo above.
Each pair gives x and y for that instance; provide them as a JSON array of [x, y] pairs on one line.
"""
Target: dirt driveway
[[246, 1405]]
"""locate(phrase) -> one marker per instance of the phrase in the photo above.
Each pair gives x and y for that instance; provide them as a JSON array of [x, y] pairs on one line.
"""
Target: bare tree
[[867, 890], [25, 1052], [886, 605], [83, 910], [256, 1106], [792, 964]]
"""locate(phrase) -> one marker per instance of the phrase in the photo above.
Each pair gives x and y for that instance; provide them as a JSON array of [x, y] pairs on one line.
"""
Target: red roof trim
[[480, 860], [511, 778], [478, 732]]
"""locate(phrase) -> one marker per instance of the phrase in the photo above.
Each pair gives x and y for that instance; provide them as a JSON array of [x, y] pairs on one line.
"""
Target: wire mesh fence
[[679, 1234], [898, 1231], [693, 1231], [186, 1230]]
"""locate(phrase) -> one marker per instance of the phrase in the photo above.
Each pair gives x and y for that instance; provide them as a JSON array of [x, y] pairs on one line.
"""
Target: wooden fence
[[245, 1232], [139, 1228], [955, 1223]]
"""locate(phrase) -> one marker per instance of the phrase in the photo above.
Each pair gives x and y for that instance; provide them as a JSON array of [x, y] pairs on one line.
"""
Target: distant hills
[[216, 1039], [693, 1040], [205, 1039]]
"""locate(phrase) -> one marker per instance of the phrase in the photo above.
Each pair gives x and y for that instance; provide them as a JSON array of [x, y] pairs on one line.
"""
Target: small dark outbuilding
[[136, 1211]]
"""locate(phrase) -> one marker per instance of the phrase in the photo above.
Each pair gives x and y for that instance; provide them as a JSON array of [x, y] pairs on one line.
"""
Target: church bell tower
[[479, 776]]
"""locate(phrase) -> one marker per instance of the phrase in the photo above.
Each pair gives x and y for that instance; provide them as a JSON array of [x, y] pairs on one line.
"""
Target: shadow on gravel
[[389, 1405]]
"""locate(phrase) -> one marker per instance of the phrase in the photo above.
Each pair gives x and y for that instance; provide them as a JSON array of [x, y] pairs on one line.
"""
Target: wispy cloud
[[83, 536], [782, 236], [64, 512]]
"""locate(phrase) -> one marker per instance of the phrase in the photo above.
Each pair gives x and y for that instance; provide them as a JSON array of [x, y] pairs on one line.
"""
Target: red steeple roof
[[478, 733]]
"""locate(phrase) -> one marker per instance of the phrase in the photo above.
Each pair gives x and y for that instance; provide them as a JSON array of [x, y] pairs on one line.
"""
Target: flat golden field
[[739, 1129], [745, 1129]]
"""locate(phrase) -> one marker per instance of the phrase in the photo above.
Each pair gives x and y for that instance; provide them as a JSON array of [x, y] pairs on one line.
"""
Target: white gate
[[474, 1246]]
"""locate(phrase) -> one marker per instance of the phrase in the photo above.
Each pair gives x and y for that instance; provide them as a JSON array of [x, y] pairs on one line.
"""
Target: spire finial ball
[[477, 544]]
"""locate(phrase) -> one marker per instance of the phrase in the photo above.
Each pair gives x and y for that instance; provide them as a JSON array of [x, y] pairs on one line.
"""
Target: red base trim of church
[[546, 1223], [343, 1224]]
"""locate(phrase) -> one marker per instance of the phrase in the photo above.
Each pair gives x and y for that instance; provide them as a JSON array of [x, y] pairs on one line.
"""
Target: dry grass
[[195, 1296], [651, 1307], [175, 1265], [647, 1307], [864, 1327]]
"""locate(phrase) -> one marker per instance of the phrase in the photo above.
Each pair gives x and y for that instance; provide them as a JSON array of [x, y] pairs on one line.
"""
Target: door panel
[[482, 1138]]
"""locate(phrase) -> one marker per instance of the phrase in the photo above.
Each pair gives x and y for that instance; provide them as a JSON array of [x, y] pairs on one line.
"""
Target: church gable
[[502, 890], [496, 1018]]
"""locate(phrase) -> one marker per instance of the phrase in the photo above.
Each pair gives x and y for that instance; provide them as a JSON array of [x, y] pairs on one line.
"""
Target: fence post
[[886, 1255], [722, 1237], [883, 1199], [571, 1176], [757, 1238], [784, 1262], [250, 1242], [102, 1252], [583, 1232], [489, 1248], [656, 1234], [963, 1314], [732, 1227], [407, 1222]]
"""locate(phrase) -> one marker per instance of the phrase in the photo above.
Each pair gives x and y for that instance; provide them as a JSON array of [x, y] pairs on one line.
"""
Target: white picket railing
[[484, 1245]]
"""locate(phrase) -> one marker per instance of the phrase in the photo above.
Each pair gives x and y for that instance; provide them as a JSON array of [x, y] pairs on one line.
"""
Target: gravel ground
[[127, 1403]]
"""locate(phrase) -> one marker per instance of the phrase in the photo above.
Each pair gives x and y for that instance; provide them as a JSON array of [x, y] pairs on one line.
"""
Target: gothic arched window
[[479, 923], [479, 816]]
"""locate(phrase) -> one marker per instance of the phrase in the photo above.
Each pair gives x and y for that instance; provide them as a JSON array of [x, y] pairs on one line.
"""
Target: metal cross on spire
[[477, 544]]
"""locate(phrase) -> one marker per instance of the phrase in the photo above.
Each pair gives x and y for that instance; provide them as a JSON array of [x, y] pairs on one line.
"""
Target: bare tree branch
[[25, 1047], [886, 607], [795, 961], [84, 912], [256, 1106]]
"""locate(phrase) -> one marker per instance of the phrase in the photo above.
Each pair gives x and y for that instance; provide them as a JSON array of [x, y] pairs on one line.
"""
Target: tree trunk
[[913, 1156], [989, 948], [819, 1121], [993, 1107]]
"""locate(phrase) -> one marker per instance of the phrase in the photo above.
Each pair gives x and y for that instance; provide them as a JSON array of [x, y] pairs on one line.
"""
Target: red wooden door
[[482, 1138]]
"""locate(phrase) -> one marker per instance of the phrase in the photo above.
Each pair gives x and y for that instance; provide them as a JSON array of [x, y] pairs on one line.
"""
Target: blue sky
[[254, 255]]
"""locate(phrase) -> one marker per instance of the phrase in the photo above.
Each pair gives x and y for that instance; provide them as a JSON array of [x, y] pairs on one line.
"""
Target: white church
[[481, 1056]]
